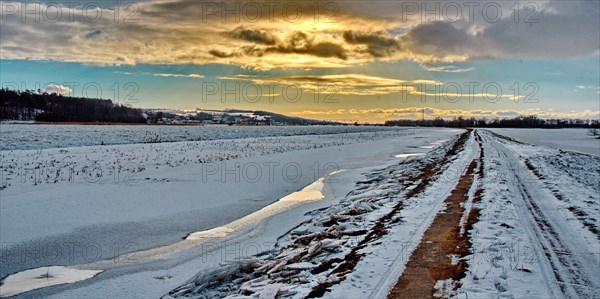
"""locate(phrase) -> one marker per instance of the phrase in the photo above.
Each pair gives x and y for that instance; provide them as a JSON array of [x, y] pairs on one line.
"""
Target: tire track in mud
[[565, 267], [556, 251], [432, 259], [578, 212]]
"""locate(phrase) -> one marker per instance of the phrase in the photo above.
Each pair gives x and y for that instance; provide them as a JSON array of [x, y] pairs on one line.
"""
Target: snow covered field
[[30, 136], [567, 139], [342, 215]]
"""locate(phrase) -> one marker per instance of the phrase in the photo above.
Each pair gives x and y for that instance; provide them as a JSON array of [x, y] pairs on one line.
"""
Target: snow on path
[[438, 257], [391, 255], [526, 243]]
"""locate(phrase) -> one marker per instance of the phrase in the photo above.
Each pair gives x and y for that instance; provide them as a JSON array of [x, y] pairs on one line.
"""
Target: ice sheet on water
[[42, 277], [311, 192]]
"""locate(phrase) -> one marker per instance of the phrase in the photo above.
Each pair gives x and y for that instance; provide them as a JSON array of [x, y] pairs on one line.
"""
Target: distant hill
[[280, 118], [228, 116]]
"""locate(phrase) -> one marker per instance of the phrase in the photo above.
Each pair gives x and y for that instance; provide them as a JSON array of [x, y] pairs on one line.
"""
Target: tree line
[[530, 121], [42, 106]]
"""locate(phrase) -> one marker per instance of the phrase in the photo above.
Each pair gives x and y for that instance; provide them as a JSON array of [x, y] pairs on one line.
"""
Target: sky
[[366, 61]]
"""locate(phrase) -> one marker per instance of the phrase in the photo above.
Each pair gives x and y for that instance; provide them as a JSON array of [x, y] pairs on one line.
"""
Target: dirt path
[[420, 182], [432, 259]]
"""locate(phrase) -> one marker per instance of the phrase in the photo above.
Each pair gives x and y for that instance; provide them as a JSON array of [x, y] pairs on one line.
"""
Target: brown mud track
[[431, 261], [422, 180]]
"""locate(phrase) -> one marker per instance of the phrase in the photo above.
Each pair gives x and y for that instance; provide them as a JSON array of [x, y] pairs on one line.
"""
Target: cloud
[[344, 84], [589, 87], [453, 97], [297, 42], [379, 43], [344, 79], [220, 54], [507, 113], [365, 85], [416, 113], [199, 32], [195, 76], [93, 33], [446, 68], [57, 88], [555, 28], [585, 114], [409, 112], [252, 35]]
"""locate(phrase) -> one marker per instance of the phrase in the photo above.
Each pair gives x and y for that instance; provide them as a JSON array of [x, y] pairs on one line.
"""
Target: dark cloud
[[439, 38], [379, 43], [507, 113], [93, 33], [563, 29], [567, 28], [220, 54], [255, 36], [327, 50], [298, 43]]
